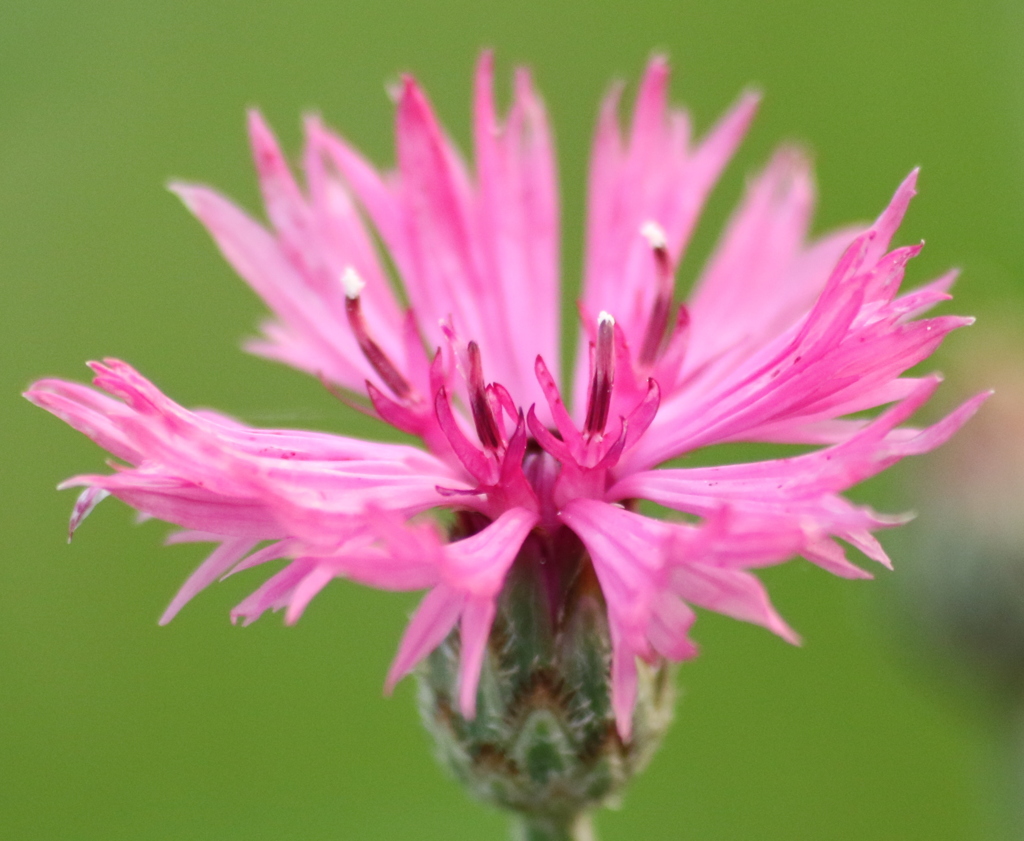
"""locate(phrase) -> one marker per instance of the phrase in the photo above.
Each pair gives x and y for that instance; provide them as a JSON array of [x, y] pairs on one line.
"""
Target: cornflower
[[783, 339]]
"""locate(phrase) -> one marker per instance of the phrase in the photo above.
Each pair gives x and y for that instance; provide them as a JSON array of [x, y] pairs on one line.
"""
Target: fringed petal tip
[[309, 587], [623, 704], [750, 100], [35, 393], [782, 629], [84, 506], [188, 192]]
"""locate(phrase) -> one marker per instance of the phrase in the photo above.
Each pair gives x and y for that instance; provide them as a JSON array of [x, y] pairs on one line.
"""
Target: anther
[[483, 416], [603, 376], [655, 337], [353, 283], [354, 286], [655, 235]]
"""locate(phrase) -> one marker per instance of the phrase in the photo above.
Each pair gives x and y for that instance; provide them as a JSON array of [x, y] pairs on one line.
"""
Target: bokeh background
[[113, 728]]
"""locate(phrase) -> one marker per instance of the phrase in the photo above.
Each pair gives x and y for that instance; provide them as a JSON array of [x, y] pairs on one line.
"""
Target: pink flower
[[782, 340]]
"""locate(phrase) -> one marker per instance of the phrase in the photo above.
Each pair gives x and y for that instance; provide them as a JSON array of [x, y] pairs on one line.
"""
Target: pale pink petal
[[627, 551], [669, 628], [259, 260], [314, 581], [274, 593], [624, 684], [84, 505], [274, 552], [475, 628], [186, 504], [830, 556]]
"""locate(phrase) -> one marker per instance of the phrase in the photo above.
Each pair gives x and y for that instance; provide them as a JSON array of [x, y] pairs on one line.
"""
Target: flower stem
[[553, 828]]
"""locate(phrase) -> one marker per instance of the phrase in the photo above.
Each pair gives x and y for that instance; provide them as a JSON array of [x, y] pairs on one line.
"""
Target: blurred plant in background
[[964, 582]]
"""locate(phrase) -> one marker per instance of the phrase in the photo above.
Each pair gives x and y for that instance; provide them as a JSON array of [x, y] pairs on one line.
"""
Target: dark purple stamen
[[657, 335], [371, 350], [483, 417], [603, 377]]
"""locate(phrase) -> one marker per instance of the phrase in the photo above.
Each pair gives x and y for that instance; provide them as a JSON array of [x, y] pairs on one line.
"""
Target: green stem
[[553, 828]]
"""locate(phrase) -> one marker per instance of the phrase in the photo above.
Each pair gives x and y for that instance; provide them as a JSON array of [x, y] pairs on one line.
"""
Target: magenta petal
[[887, 223], [478, 564], [472, 457], [517, 200], [733, 592], [220, 561]]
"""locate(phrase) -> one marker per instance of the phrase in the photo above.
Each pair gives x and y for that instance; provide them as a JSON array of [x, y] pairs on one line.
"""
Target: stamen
[[655, 337], [354, 286], [603, 377], [483, 417]]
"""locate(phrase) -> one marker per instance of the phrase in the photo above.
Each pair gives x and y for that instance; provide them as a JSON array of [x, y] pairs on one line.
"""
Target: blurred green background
[[113, 728]]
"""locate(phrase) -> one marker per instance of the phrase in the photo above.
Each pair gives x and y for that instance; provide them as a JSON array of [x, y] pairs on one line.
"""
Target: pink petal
[[220, 561], [656, 178], [84, 505], [519, 230], [259, 260], [624, 686], [733, 592], [314, 581], [430, 624], [475, 625], [274, 593], [478, 564], [745, 294]]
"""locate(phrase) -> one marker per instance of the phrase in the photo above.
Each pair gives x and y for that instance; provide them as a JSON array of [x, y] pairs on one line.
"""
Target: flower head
[[783, 339]]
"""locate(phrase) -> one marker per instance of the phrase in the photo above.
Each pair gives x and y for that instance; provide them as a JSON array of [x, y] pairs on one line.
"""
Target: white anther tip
[[353, 283], [654, 234], [605, 318]]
